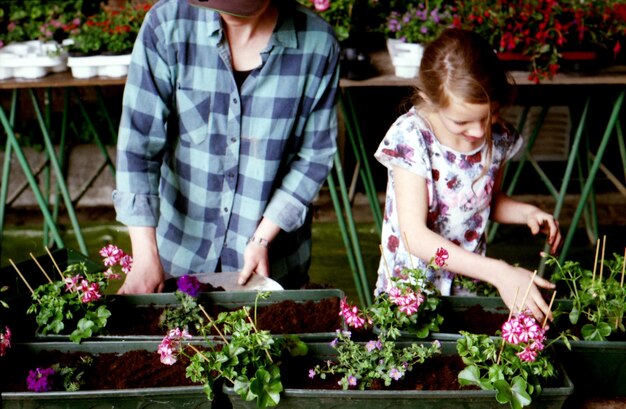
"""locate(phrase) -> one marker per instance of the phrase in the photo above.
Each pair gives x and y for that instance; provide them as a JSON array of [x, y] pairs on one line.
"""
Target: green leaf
[[596, 333], [520, 397], [470, 376], [574, 315]]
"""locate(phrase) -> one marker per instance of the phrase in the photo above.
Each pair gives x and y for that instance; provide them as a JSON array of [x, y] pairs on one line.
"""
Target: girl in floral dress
[[445, 160]]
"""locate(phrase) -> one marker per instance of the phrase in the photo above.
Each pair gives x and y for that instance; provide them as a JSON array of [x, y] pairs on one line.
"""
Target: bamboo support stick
[[40, 267], [530, 284], [602, 259], [623, 265], [545, 320], [595, 261], [55, 263], [408, 248], [21, 276], [212, 323], [387, 271]]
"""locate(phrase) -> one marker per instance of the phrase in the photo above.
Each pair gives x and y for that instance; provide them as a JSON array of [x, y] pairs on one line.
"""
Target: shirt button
[[234, 100], [233, 139], [226, 209]]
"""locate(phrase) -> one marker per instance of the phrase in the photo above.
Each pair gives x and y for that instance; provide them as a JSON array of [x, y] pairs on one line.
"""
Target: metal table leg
[[592, 174], [41, 201]]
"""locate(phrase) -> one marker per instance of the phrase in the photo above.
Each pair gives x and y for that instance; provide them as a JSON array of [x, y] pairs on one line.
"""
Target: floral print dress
[[459, 198]]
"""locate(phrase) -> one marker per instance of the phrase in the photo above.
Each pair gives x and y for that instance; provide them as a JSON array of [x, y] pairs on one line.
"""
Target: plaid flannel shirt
[[203, 161]]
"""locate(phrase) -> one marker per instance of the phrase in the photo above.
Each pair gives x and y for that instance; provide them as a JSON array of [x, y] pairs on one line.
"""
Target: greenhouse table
[[608, 83], [69, 84]]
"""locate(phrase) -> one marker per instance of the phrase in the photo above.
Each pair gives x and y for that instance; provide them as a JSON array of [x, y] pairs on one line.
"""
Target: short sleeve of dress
[[508, 140], [406, 145]]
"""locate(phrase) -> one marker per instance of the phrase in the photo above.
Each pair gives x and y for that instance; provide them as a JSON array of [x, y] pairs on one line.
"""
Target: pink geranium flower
[[170, 346], [5, 341]]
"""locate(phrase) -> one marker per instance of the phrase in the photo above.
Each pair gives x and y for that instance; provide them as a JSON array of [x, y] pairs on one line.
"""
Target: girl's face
[[466, 123]]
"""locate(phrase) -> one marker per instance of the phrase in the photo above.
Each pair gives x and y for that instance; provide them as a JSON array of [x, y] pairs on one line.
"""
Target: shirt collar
[[284, 34]]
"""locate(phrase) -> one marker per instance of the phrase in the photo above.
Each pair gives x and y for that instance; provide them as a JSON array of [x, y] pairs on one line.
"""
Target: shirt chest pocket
[[193, 108]]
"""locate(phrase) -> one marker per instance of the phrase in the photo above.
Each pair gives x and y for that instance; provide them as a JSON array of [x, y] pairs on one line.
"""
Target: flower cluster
[[360, 364], [40, 379], [111, 30], [5, 340], [419, 24], [522, 331], [189, 285], [114, 256], [5, 336], [544, 29], [77, 297], [172, 345]]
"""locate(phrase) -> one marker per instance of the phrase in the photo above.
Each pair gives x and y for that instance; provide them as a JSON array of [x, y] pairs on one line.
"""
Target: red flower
[[393, 243]]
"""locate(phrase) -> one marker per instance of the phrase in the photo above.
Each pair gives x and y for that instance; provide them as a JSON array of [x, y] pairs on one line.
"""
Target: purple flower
[[395, 374], [352, 380], [5, 341], [38, 379], [311, 373], [189, 285]]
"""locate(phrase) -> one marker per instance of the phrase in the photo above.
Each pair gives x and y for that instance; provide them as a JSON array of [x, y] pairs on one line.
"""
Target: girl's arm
[[508, 211], [511, 282]]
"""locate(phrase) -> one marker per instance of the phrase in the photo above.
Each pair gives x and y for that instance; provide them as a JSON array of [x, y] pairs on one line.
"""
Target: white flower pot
[[405, 57], [31, 59], [99, 65]]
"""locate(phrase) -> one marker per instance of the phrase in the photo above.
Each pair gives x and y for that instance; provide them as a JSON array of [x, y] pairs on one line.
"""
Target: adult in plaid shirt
[[227, 133]]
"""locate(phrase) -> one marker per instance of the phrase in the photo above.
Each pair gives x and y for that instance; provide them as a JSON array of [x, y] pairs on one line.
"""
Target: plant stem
[[255, 330], [206, 359]]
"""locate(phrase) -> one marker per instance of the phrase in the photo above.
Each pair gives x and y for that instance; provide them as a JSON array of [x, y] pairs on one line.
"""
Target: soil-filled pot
[[125, 375], [313, 315], [313, 395]]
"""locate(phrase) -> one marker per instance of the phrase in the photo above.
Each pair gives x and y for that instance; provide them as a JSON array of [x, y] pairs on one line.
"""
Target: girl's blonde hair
[[462, 63]]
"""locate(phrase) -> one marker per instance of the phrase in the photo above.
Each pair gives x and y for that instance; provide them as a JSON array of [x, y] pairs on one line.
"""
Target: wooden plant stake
[[40, 267], [530, 284], [21, 276], [387, 271], [408, 248], [545, 320], [55, 263], [602, 259], [595, 261], [623, 265], [214, 325]]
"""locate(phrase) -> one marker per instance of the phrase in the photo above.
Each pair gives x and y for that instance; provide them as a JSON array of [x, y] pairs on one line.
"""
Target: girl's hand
[[516, 280], [540, 221], [255, 260]]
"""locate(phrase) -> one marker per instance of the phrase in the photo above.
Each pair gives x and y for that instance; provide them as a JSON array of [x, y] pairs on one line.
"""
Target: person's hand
[[540, 221], [146, 276], [255, 261], [515, 280]]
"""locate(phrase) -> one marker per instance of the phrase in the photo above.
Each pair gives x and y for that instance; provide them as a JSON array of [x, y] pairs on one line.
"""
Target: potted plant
[[408, 30], [593, 310], [542, 32]]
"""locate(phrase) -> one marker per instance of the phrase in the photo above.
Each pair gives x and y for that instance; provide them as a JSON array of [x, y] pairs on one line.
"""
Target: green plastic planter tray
[[226, 300], [551, 398], [167, 397], [597, 368], [32, 272]]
